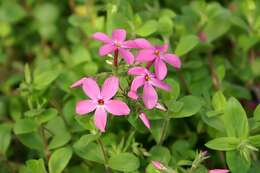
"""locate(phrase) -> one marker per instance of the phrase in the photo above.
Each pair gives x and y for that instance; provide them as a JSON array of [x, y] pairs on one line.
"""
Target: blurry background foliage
[[46, 45]]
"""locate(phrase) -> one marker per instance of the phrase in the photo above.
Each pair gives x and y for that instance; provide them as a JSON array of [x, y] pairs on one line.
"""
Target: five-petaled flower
[[158, 56], [116, 44], [100, 100], [218, 171], [149, 80]]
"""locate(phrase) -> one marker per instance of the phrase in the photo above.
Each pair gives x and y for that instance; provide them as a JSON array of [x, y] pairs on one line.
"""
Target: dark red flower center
[[101, 102], [146, 78], [157, 52]]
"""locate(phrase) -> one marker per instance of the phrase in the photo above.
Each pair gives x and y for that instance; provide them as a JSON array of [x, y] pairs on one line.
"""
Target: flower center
[[146, 78], [101, 102], [117, 44], [157, 52]]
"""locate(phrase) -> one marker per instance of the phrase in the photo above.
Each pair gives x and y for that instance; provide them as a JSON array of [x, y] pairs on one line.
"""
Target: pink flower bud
[[145, 120], [160, 107], [158, 165], [218, 171]]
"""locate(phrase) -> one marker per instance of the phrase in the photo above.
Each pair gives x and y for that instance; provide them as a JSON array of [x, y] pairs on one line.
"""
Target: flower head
[[144, 119], [158, 55], [218, 171], [116, 43], [149, 81], [101, 100], [158, 165]]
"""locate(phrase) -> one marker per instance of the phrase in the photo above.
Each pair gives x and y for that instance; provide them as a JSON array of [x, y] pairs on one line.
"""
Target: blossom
[[149, 81], [158, 165], [116, 44], [218, 171], [101, 101], [157, 55], [144, 119], [78, 83]]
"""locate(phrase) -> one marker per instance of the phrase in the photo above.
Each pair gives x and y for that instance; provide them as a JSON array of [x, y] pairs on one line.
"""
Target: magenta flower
[[218, 171], [101, 100], [116, 44], [158, 56], [149, 81], [158, 165], [145, 120]]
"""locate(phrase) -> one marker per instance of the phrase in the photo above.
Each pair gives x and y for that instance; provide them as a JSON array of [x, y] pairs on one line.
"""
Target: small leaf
[[147, 29], [219, 101], [257, 113], [255, 140], [59, 159], [32, 140], [5, 137], [223, 143], [59, 140], [36, 166], [186, 44], [125, 162], [237, 163], [23, 126], [158, 151]]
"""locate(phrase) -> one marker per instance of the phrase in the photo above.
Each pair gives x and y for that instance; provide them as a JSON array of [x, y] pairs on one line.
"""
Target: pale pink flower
[[145, 120], [116, 43], [149, 81], [158, 165], [101, 101], [78, 83], [158, 55], [218, 171]]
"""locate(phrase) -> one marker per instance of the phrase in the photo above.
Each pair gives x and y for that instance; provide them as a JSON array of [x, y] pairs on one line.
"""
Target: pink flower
[[78, 83], [158, 55], [158, 165], [144, 119], [218, 171], [116, 44], [101, 101], [144, 77]]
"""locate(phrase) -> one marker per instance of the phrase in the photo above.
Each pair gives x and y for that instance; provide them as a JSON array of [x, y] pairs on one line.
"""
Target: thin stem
[[104, 154], [116, 58], [214, 76], [45, 140], [164, 130], [149, 64]]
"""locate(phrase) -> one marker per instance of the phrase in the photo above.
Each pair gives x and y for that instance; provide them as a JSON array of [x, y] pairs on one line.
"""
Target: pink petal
[[172, 59], [119, 34], [145, 55], [129, 44], [160, 84], [117, 107], [149, 96], [160, 107], [158, 165], [142, 43], [137, 71], [101, 37], [160, 68], [109, 87], [106, 49], [127, 55], [91, 88], [85, 106], [133, 95], [100, 119], [145, 120], [78, 83], [162, 48], [137, 82], [219, 171]]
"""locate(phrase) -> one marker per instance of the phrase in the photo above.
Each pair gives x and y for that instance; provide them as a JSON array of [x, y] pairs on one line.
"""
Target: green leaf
[[125, 162], [237, 163], [186, 44], [36, 166], [32, 140], [47, 115], [59, 140], [223, 143], [166, 25], [158, 151], [59, 160], [147, 28], [257, 113], [219, 101], [27, 74], [23, 126], [255, 140], [5, 137], [235, 119], [45, 78], [191, 106]]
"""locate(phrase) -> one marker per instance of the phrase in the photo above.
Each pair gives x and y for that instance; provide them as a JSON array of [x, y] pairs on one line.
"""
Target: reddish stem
[[116, 58], [149, 64]]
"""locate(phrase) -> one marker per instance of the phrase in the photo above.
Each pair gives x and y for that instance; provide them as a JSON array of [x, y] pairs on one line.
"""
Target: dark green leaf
[[125, 162]]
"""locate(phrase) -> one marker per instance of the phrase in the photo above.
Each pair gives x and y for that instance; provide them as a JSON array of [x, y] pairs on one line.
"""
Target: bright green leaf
[[186, 44], [223, 143], [125, 162]]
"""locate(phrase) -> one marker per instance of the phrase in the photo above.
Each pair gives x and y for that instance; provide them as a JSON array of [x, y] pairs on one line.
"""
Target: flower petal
[[78, 83], [160, 69], [219, 171], [142, 43], [145, 55], [109, 87], [137, 71], [85, 106], [145, 120], [91, 88], [137, 82], [160, 84], [106, 49], [172, 59], [100, 119], [133, 95], [119, 34], [127, 55], [101, 37], [149, 96], [117, 107], [162, 48]]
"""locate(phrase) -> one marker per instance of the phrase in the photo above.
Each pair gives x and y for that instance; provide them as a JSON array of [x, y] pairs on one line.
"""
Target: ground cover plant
[[154, 86]]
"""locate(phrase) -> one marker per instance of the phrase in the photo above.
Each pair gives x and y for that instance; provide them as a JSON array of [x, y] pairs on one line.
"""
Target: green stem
[[104, 154], [164, 130]]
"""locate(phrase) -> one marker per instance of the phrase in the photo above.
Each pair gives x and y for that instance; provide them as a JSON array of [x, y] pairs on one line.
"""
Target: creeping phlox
[[101, 100]]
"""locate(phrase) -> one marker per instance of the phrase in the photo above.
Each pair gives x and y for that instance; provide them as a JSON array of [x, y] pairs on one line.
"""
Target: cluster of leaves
[[45, 46]]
